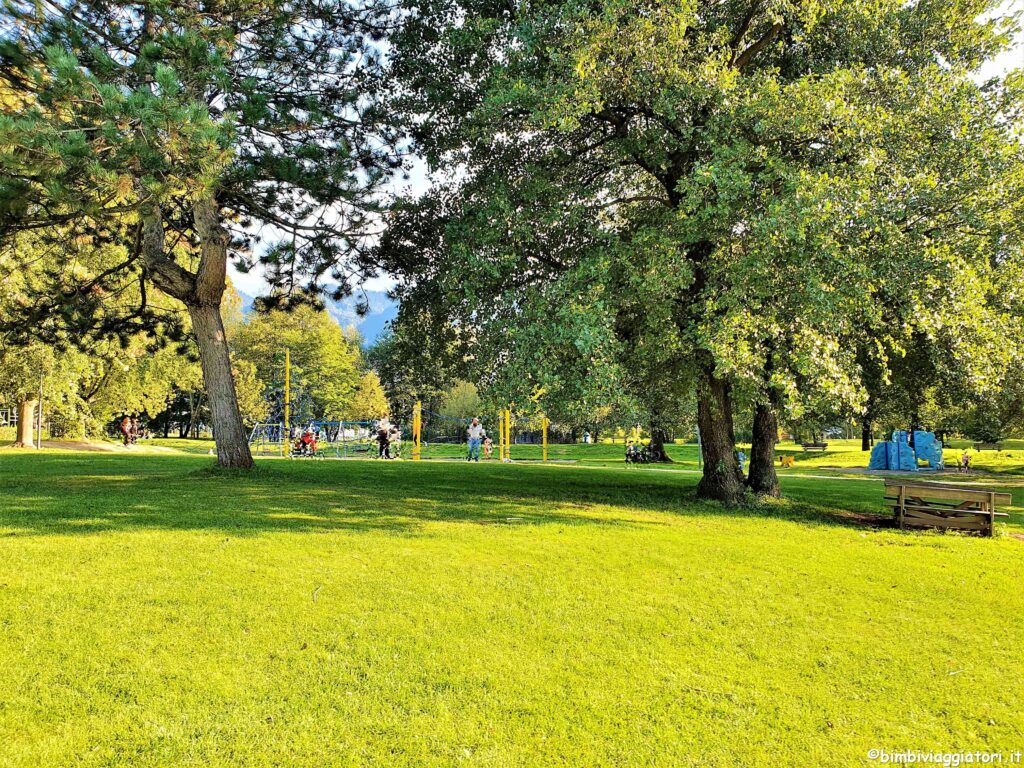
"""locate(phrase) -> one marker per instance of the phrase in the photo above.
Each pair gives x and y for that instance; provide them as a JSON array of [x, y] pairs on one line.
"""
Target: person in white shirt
[[475, 433]]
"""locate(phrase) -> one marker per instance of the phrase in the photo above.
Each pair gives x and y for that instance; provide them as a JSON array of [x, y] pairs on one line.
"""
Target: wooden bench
[[814, 446], [937, 505], [988, 446]]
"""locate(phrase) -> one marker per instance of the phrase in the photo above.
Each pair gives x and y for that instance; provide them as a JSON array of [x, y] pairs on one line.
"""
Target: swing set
[[357, 439], [505, 439]]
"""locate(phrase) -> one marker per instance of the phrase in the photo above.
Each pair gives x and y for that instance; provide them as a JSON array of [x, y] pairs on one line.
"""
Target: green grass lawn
[[156, 612], [841, 454]]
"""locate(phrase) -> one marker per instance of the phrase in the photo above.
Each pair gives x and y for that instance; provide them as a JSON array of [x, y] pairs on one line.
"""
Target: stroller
[[305, 446]]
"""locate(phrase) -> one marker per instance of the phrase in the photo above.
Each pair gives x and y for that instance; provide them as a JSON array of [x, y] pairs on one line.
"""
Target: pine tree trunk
[[26, 424], [201, 293], [229, 432], [722, 479], [762, 478]]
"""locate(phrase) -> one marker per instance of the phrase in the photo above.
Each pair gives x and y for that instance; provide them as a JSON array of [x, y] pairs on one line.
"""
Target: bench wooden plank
[[951, 492], [949, 525], [958, 523], [954, 504], [947, 507], [935, 514], [938, 505], [941, 513]]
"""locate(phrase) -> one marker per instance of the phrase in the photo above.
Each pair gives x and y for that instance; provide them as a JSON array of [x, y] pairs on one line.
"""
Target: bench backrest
[[945, 492]]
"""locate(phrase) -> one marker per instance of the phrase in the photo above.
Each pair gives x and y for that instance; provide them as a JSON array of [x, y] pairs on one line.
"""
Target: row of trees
[[86, 388], [639, 208], [771, 204], [916, 396]]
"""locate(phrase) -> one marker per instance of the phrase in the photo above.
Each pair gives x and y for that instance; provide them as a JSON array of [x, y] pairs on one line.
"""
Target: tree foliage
[[741, 199]]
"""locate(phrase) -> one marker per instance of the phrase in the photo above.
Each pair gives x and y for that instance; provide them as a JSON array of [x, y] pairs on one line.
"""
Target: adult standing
[[383, 439], [475, 434]]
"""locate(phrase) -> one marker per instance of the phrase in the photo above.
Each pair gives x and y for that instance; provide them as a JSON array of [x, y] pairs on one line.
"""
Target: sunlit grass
[[157, 612]]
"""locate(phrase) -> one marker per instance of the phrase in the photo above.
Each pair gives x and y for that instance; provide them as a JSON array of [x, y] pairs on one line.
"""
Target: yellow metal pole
[[417, 426], [544, 436], [508, 434], [504, 435], [286, 436]]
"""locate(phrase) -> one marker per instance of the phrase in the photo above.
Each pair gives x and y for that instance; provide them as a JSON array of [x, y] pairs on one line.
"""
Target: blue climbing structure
[[898, 455]]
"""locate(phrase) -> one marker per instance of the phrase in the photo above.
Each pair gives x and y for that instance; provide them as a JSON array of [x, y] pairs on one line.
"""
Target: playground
[[433, 613]]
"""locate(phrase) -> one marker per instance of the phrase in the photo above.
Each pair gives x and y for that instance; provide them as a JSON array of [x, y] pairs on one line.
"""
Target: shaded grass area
[[158, 612]]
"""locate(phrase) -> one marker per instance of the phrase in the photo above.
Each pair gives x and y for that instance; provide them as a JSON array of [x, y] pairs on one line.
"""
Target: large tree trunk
[[208, 327], [229, 432], [865, 433], [762, 478], [659, 436], [722, 479], [26, 424], [201, 294]]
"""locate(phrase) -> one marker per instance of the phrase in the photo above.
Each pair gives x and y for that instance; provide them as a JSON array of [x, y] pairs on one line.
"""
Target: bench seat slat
[[939, 503], [939, 515], [972, 525]]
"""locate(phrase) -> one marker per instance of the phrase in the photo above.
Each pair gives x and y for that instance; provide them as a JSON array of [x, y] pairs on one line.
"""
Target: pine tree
[[168, 132]]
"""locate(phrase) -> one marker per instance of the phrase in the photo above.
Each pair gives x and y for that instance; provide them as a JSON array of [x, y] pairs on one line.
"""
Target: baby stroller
[[305, 446]]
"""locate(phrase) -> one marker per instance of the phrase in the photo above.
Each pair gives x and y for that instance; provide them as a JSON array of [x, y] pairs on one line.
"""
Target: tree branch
[[167, 274], [751, 52]]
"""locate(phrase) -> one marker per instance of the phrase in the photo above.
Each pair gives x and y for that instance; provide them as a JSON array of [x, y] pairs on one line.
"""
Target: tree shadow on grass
[[72, 494]]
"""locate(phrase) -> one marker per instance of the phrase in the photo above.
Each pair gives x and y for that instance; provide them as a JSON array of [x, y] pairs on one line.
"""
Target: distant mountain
[[382, 310]]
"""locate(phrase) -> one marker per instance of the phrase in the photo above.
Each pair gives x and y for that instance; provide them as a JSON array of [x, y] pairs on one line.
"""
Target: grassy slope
[[360, 613]]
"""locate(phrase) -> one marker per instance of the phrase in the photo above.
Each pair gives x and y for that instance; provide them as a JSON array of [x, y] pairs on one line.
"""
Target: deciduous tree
[[731, 190]]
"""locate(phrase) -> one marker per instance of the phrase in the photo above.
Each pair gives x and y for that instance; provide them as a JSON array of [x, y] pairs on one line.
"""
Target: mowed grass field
[[156, 612], [841, 454]]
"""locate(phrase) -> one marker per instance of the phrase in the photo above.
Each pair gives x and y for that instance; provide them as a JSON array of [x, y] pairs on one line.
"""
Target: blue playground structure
[[898, 455]]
